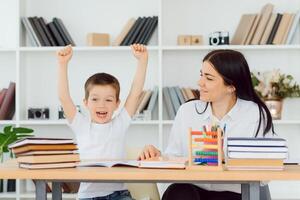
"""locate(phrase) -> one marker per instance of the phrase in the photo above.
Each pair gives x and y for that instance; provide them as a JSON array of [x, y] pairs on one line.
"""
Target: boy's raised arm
[[64, 55], [141, 54]]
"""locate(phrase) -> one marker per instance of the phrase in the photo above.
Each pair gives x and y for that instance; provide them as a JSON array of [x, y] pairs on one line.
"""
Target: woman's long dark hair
[[234, 69]]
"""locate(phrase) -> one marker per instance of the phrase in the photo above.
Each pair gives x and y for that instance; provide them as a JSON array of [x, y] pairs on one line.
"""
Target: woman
[[226, 98]]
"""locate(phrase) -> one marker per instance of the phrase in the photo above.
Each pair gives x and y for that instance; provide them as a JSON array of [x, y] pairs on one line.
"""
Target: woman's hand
[[149, 152]]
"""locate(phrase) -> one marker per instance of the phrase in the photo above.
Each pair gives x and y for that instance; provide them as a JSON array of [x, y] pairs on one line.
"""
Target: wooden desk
[[249, 180]]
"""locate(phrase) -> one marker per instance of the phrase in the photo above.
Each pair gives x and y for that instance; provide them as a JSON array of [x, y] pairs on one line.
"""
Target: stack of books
[[256, 153], [45, 153]]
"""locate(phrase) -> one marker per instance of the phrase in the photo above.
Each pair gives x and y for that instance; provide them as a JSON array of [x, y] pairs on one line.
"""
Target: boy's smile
[[101, 103]]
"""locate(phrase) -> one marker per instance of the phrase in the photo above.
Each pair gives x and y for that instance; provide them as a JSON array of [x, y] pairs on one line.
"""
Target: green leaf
[[11, 135], [22, 130]]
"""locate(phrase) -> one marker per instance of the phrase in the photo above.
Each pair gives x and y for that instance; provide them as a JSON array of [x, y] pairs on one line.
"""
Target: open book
[[163, 163]]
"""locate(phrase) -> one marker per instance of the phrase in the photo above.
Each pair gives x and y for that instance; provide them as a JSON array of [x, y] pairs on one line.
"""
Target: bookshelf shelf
[[34, 68], [78, 49], [4, 122], [237, 47], [7, 195], [64, 195]]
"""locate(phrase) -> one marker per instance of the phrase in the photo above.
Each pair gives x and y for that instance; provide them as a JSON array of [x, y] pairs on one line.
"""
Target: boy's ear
[[118, 103], [84, 102]]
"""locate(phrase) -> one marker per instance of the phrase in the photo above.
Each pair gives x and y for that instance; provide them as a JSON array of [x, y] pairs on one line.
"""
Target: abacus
[[205, 150]]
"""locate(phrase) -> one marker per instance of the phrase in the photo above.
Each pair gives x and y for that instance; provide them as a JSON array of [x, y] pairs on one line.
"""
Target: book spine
[[60, 31], [151, 31], [47, 32], [274, 29], [132, 39], [36, 31], [65, 31], [127, 38], [41, 31], [29, 32], [56, 34]]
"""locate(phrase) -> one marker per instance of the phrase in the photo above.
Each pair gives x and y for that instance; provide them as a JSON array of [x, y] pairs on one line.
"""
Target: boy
[[98, 135]]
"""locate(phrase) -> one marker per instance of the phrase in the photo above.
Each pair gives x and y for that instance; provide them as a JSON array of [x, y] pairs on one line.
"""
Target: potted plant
[[9, 135], [274, 86]]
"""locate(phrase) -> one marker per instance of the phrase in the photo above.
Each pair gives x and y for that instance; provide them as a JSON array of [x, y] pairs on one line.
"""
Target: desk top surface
[[11, 170]]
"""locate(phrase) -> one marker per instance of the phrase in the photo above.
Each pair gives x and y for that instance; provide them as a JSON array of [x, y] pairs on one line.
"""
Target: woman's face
[[211, 83]]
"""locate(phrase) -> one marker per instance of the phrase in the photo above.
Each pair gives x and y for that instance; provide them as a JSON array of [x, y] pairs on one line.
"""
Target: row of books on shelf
[[174, 97], [256, 153], [41, 33], [7, 102], [147, 102], [266, 27], [137, 30]]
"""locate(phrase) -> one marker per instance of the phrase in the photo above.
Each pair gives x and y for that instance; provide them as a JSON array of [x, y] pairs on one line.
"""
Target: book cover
[[184, 94], [48, 165], [252, 29], [243, 29], [258, 148], [63, 29], [55, 34], [179, 95], [144, 102], [255, 155], [47, 32], [137, 31], [43, 147], [254, 162], [131, 31], [282, 28], [7, 109], [143, 30], [41, 41], [2, 95], [153, 99], [250, 141], [294, 25], [39, 159], [29, 32], [168, 103], [268, 29], [150, 31], [266, 13], [48, 152], [41, 31], [61, 32], [124, 32], [174, 98], [274, 29], [284, 39], [40, 140]]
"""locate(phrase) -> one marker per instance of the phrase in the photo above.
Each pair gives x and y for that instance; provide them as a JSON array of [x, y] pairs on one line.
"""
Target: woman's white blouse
[[241, 121]]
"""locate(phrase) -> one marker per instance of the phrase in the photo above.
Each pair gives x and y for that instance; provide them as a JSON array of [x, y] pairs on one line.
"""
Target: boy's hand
[[140, 52], [64, 55]]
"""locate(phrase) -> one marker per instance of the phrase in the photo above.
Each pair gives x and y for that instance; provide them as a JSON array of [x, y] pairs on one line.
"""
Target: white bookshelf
[[34, 68]]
